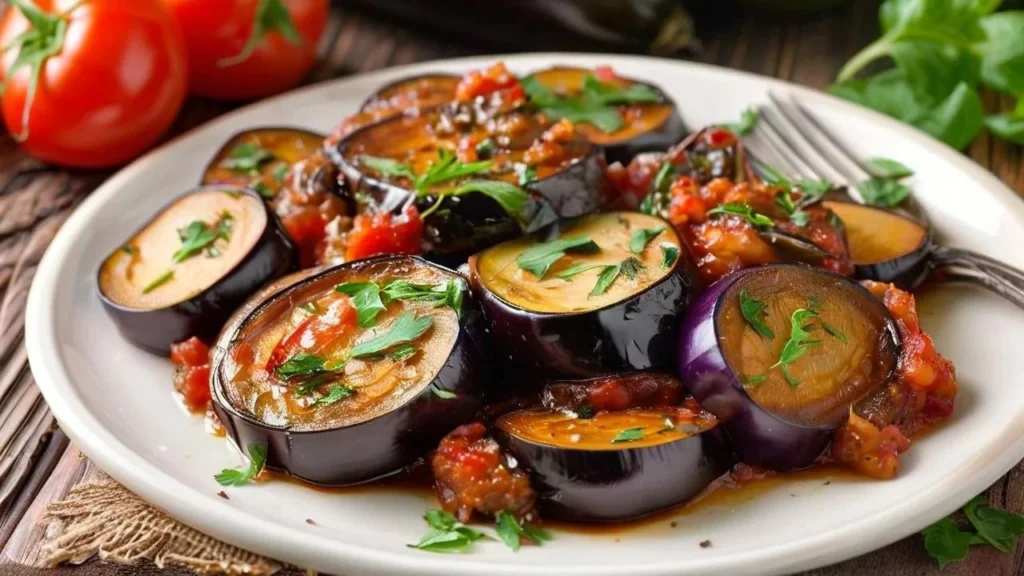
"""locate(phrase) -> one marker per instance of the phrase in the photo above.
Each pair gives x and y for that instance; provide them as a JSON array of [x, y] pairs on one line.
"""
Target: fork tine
[[828, 146], [770, 137], [774, 119], [764, 156]]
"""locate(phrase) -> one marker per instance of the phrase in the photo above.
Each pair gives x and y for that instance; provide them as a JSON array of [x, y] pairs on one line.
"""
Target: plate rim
[[218, 519]]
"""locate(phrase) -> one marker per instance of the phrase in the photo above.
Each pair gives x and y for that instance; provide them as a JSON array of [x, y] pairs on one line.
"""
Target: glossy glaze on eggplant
[[300, 373], [885, 245], [260, 157], [188, 269]]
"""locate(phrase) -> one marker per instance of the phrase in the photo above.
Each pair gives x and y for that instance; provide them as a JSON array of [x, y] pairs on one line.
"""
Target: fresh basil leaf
[[641, 237], [743, 211], [669, 255], [539, 258], [387, 167], [753, 312], [885, 193], [629, 435], [404, 329], [946, 543], [604, 280], [1007, 126], [158, 281], [887, 168], [933, 70], [999, 528], [257, 460], [957, 119], [748, 119], [247, 158], [1002, 52], [301, 364]]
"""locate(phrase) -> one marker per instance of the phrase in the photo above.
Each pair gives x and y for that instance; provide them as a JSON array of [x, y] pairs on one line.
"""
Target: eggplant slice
[[611, 466], [340, 403], [648, 126], [884, 245], [185, 271], [567, 183], [780, 353], [587, 297], [260, 158]]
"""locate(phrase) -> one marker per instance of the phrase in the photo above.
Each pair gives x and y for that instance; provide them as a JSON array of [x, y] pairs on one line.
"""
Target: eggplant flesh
[[394, 407], [185, 272], [884, 245], [780, 406], [615, 466], [568, 184], [552, 327], [653, 126], [256, 155]]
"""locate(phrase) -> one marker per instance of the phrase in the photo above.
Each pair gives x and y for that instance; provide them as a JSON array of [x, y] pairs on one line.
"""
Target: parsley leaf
[[158, 281], [450, 293], [447, 535], [199, 235], [335, 392], [631, 267], [575, 269], [743, 211], [887, 168], [257, 460], [405, 329], [365, 299], [753, 310], [525, 173], [510, 197], [799, 340], [301, 364], [629, 435], [669, 255], [604, 280], [641, 237], [657, 198], [402, 352], [539, 257], [594, 105], [511, 532], [447, 168], [748, 119], [387, 167], [247, 158], [882, 192], [754, 379]]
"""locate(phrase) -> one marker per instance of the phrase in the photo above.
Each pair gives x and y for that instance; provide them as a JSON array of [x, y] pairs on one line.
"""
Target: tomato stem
[[35, 45], [270, 15]]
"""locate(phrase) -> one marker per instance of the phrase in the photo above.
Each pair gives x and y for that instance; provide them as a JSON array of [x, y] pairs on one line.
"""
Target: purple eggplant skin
[[387, 444], [758, 437], [622, 484], [638, 333], [204, 314]]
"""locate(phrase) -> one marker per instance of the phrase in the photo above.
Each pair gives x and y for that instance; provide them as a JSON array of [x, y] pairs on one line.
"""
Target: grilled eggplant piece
[[343, 392], [586, 297], [647, 126], [780, 353], [260, 158], [192, 265]]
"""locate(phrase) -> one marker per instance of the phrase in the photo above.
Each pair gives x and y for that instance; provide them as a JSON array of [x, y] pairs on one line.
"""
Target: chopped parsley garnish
[[443, 394], [199, 235], [800, 338], [247, 158], [748, 119], [365, 298], [485, 148], [641, 237], [263, 190], [387, 167], [447, 535], [669, 255], [947, 542], [811, 192], [280, 172], [369, 299], [511, 532], [301, 364], [754, 311], [335, 393], [402, 352], [311, 307], [257, 460], [158, 282], [883, 192], [657, 198], [594, 105], [629, 267], [576, 269], [525, 173], [539, 258], [754, 379], [405, 329], [629, 435], [743, 211], [585, 412], [887, 168]]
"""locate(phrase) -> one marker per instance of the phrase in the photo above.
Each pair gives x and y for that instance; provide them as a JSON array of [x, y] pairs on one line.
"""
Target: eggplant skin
[[758, 437], [382, 446], [204, 314], [638, 333], [623, 484]]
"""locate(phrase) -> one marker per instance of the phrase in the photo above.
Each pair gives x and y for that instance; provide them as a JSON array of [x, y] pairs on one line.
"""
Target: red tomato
[[110, 80], [246, 49], [384, 233]]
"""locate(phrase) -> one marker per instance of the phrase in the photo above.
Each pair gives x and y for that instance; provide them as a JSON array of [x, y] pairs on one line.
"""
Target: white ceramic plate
[[114, 400]]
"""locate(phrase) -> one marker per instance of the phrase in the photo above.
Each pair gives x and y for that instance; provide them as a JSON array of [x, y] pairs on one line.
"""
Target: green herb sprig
[[511, 532], [199, 236], [447, 535], [754, 311], [257, 460], [744, 211], [594, 105], [947, 542], [539, 257], [641, 237]]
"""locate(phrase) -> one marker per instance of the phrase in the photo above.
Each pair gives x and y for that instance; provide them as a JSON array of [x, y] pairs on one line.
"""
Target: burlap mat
[[103, 519]]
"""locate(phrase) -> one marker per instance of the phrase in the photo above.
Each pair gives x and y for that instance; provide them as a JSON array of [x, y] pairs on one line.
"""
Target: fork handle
[[955, 264]]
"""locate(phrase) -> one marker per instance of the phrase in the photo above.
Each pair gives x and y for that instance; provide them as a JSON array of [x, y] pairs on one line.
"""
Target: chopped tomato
[[384, 233], [497, 78], [316, 332], [605, 73], [192, 373], [191, 352], [720, 138], [307, 229], [869, 450]]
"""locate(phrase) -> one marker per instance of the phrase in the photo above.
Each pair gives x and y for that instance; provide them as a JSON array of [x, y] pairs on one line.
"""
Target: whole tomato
[[90, 84], [246, 49]]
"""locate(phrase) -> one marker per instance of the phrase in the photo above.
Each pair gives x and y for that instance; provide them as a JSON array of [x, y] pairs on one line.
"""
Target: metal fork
[[789, 138]]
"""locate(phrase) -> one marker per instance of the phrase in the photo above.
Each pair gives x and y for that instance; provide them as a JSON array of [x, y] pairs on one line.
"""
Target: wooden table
[[35, 199]]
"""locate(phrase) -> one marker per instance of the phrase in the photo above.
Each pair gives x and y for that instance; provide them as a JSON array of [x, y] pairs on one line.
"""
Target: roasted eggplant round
[[192, 265], [648, 119], [586, 297], [355, 372], [780, 353], [595, 465], [260, 158], [467, 171], [884, 245]]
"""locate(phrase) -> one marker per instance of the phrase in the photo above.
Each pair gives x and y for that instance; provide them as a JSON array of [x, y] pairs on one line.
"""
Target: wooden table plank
[[805, 49]]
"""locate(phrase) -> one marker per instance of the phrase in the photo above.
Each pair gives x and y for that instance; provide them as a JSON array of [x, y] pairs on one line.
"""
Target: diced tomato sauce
[[307, 229], [384, 233], [605, 73], [494, 79], [549, 148], [471, 475], [315, 332], [921, 396], [191, 359]]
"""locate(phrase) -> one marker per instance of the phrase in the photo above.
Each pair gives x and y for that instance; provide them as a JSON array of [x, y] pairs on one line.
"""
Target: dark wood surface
[[35, 199]]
